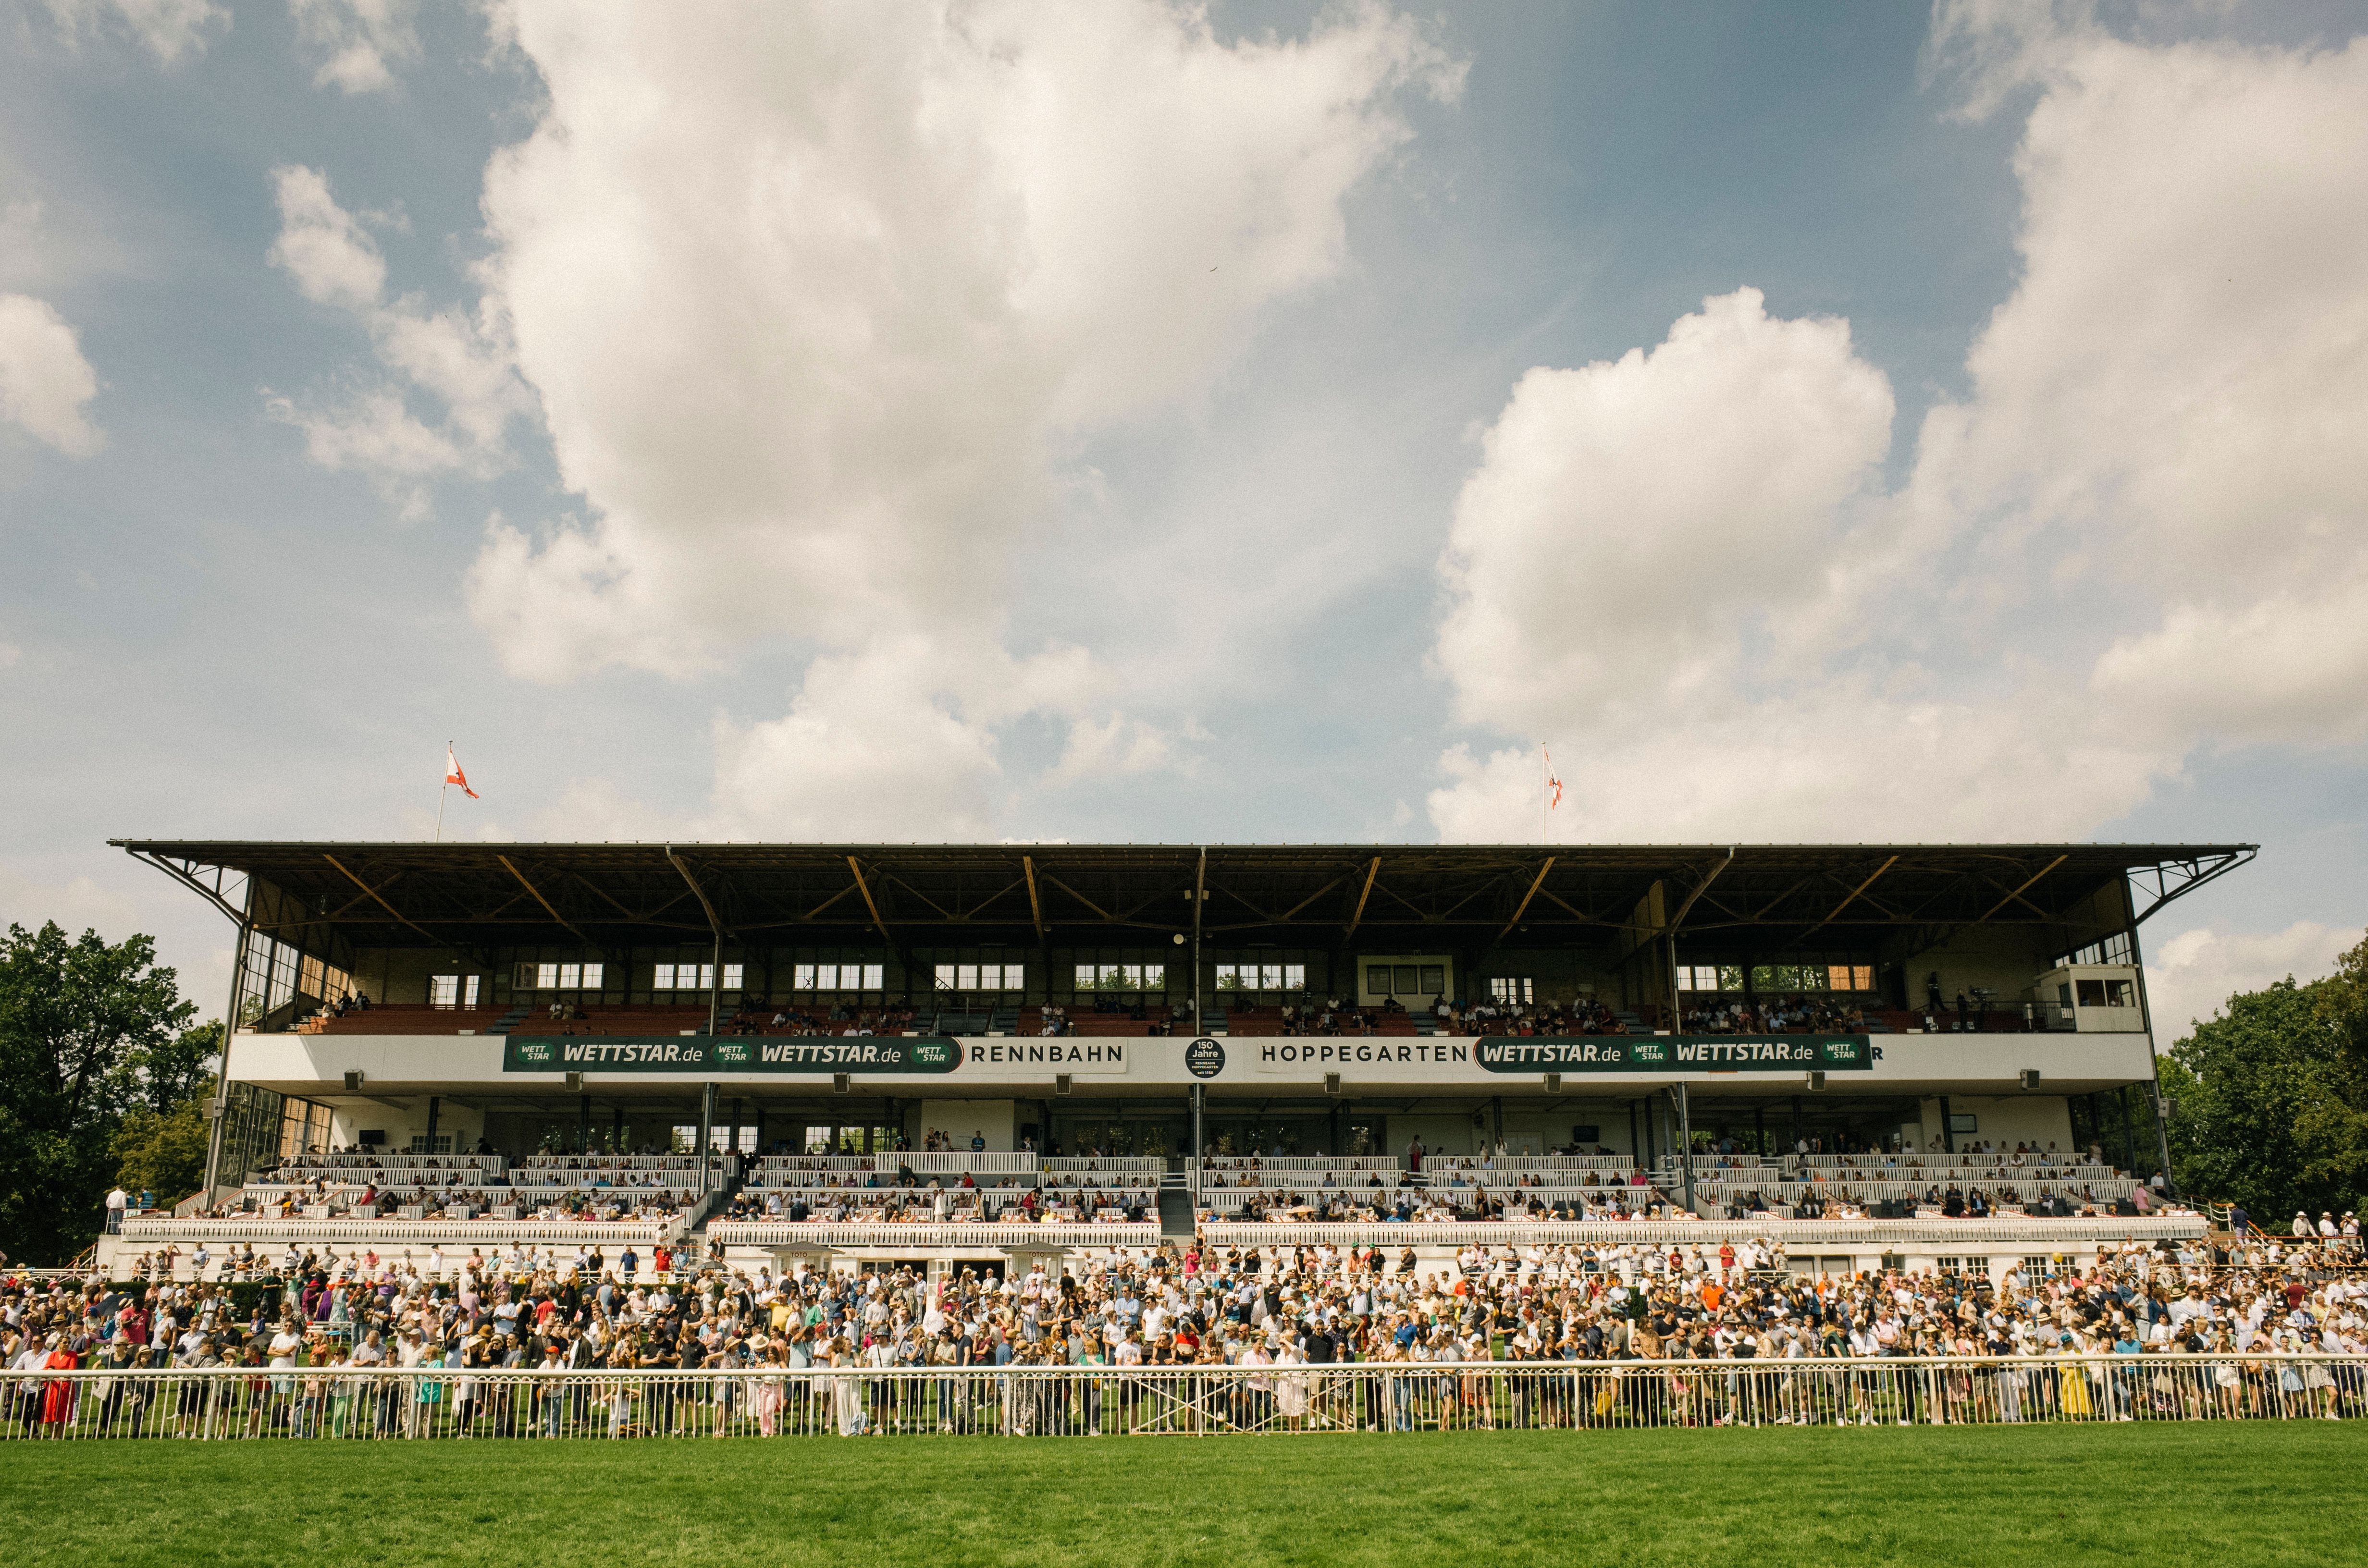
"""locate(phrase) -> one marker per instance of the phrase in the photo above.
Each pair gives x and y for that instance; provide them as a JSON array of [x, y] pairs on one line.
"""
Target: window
[[469, 998], [817, 1140], [802, 978], [1154, 977], [946, 976], [2108, 993], [1015, 977], [1434, 978], [966, 977], [662, 978], [731, 975], [422, 1144], [874, 977], [1505, 988], [571, 977], [444, 989], [2114, 949], [1377, 979], [691, 976]]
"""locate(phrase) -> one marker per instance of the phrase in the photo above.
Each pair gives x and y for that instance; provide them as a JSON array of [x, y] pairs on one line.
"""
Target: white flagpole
[[1545, 776], [441, 791]]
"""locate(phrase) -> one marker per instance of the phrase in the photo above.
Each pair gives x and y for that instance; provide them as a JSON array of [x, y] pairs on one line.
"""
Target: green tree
[[162, 1154], [2271, 1104], [87, 1028]]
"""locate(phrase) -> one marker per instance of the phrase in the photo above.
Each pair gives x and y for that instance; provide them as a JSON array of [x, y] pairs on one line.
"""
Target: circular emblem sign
[[1204, 1058]]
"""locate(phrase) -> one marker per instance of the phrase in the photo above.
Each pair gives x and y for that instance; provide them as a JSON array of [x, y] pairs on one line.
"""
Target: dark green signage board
[[696, 1053], [1678, 1053]]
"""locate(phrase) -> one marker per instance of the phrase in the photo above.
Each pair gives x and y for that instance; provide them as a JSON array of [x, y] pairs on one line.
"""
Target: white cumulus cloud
[[45, 383], [2144, 530], [2191, 976], [814, 301], [168, 30], [454, 364], [361, 43]]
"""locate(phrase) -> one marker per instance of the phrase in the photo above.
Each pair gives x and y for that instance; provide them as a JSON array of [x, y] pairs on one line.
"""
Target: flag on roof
[[452, 774]]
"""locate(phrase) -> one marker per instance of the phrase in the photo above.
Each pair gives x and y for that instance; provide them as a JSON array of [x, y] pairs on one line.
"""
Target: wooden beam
[[546, 903], [864, 888], [1699, 888], [1035, 901], [1523, 907], [2019, 892], [1848, 902], [1370, 872], [398, 915], [1081, 898]]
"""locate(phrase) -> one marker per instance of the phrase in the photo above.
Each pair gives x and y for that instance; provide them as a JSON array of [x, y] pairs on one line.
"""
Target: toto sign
[[1204, 1058]]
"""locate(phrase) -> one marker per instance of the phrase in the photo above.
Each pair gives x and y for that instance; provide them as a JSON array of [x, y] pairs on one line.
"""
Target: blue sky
[[1138, 423]]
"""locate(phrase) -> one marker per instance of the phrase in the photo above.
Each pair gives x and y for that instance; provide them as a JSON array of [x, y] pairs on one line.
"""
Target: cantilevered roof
[[1406, 896]]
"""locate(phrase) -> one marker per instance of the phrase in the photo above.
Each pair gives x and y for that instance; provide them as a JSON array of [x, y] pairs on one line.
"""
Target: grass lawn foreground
[[2266, 1493]]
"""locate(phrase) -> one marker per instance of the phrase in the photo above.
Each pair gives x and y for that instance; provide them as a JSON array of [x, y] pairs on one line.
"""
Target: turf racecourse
[[2156, 1494]]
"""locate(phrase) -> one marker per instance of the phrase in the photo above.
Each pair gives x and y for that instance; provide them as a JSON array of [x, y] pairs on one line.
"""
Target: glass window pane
[[872, 974], [470, 988], [966, 977], [443, 990], [1407, 977], [546, 976], [1154, 977], [1130, 977], [801, 977], [1434, 978], [733, 974], [592, 975], [1225, 977], [1294, 977], [1863, 977], [945, 977], [662, 977], [826, 977], [707, 977], [1085, 977], [1377, 979], [571, 976], [990, 977]]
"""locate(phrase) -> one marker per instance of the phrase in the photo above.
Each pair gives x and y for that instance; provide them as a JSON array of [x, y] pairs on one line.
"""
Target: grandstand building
[[1021, 1010]]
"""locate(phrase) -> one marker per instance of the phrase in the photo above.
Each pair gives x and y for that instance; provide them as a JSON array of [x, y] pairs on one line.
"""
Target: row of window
[[979, 976], [1777, 977], [1261, 977], [1405, 978], [839, 976]]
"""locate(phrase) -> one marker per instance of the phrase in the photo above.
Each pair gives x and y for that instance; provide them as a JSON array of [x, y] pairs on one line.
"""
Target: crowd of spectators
[[1646, 1325]]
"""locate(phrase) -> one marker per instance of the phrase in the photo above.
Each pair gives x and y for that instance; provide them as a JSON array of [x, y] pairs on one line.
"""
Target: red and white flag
[[1554, 785], [452, 774]]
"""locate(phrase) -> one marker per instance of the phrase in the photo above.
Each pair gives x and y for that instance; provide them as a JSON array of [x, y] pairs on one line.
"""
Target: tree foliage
[[162, 1154], [2270, 1098], [89, 1031]]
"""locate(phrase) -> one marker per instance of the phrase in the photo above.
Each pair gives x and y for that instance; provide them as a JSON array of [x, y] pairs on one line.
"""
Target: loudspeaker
[[1816, 1080], [353, 1083], [576, 1083], [1331, 1083], [1554, 1083], [1061, 1082], [841, 1083], [2029, 1076]]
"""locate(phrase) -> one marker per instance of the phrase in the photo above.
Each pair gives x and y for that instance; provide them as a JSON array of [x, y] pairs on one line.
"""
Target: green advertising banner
[[1679, 1052], [695, 1053]]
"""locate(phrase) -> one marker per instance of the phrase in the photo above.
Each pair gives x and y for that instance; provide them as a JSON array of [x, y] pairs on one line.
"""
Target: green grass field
[[2154, 1494]]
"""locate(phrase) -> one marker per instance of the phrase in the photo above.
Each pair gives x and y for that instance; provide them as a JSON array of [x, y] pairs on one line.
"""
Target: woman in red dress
[[58, 1396]]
